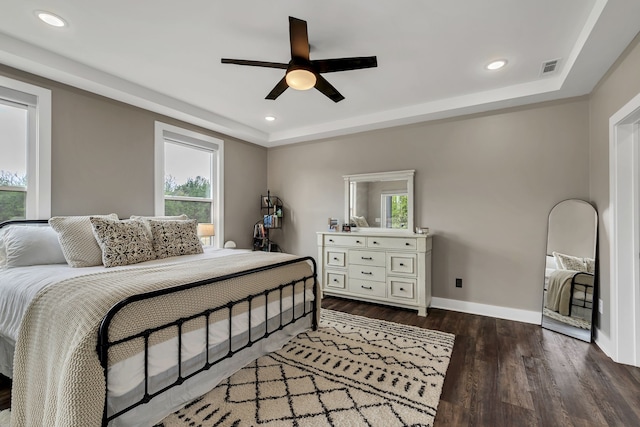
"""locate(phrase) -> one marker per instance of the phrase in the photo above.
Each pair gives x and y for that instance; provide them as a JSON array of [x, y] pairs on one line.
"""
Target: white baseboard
[[516, 314], [604, 342]]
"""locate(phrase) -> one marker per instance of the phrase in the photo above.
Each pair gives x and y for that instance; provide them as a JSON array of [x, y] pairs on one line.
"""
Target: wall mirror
[[381, 201], [570, 269]]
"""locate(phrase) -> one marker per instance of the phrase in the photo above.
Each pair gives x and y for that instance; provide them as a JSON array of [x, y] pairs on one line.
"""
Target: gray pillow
[[79, 245]]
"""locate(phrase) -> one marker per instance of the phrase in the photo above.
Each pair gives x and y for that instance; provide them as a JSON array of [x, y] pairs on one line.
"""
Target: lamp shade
[[206, 230]]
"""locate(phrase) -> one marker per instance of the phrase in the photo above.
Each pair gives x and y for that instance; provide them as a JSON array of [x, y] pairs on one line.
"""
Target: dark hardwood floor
[[505, 373]]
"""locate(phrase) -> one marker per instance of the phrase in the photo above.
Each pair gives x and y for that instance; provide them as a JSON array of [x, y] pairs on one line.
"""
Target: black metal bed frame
[[575, 287], [104, 343], [103, 334]]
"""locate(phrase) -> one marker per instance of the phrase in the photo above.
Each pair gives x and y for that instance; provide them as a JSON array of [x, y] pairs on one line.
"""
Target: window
[[189, 176], [25, 144], [394, 210]]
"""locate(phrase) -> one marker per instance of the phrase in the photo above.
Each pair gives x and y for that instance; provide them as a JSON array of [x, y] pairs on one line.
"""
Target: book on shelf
[[271, 221], [258, 231]]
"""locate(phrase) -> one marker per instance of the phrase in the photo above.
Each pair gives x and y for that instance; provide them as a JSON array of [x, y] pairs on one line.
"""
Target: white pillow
[[31, 245], [551, 263], [79, 245]]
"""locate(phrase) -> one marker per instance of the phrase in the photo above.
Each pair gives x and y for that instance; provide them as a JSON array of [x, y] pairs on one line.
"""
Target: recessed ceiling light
[[50, 18], [269, 118], [496, 65]]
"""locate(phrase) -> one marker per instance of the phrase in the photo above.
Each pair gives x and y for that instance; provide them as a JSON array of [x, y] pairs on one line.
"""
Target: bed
[[568, 292], [129, 344]]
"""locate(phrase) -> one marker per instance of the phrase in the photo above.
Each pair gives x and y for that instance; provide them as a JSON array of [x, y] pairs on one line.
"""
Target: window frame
[[174, 134], [38, 102], [385, 215]]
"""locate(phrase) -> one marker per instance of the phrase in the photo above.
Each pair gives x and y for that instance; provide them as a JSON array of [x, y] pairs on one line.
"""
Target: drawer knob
[[368, 258], [358, 241], [336, 258], [335, 280], [366, 287], [366, 272], [375, 243], [407, 244], [401, 264], [331, 240], [402, 289]]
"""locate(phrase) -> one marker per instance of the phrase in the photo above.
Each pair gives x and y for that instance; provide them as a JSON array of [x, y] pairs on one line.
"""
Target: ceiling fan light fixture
[[300, 79]]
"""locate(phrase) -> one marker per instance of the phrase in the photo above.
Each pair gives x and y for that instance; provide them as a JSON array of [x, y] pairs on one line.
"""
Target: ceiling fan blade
[[298, 38], [254, 63], [325, 87], [278, 89], [344, 64]]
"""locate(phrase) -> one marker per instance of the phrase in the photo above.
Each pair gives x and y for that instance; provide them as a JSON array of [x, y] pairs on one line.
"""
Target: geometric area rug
[[352, 371]]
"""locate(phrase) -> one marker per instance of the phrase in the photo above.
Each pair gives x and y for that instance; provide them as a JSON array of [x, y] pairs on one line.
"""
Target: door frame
[[624, 232]]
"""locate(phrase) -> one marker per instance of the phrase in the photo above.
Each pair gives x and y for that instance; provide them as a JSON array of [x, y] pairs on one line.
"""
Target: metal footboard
[[104, 343]]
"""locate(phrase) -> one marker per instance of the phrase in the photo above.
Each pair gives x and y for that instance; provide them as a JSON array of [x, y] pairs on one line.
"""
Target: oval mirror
[[571, 269]]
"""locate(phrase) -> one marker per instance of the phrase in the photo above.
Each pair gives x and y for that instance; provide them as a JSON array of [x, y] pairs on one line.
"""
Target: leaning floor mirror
[[570, 269]]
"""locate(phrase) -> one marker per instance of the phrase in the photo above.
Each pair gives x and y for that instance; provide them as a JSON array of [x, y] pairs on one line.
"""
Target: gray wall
[[484, 185], [102, 159], [618, 87]]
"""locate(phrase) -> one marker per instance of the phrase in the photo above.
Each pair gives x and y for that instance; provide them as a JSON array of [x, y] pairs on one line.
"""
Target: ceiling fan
[[303, 73]]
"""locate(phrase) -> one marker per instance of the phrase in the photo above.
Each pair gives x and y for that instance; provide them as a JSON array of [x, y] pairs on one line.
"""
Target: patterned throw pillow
[[568, 262], [122, 242], [145, 220], [359, 221], [78, 244], [591, 265], [175, 238]]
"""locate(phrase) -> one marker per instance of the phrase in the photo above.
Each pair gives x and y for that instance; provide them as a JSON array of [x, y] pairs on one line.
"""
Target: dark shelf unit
[[271, 209]]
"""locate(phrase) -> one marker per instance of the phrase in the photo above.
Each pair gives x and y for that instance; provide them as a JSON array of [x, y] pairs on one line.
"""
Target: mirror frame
[[556, 325], [406, 175]]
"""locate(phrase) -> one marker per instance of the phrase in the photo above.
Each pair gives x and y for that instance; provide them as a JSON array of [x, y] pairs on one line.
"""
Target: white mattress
[[19, 286]]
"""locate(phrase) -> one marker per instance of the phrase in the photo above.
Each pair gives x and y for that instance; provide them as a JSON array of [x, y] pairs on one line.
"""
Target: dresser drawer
[[401, 263], [336, 280], [408, 243], [368, 287], [367, 272], [344, 240], [402, 288], [367, 258], [336, 258]]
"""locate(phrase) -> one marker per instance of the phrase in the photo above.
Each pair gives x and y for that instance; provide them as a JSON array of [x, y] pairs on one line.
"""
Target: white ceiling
[[164, 55]]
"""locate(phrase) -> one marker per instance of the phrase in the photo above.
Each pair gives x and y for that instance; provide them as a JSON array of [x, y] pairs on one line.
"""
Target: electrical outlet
[[600, 306], [458, 283]]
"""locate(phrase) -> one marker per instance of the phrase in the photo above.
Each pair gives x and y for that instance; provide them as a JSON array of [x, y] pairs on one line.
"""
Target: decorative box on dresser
[[383, 267]]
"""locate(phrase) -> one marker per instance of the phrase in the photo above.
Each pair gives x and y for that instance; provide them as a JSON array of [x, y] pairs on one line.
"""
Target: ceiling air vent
[[549, 67]]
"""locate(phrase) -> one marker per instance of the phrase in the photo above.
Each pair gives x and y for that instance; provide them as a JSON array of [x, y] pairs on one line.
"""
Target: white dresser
[[385, 267]]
